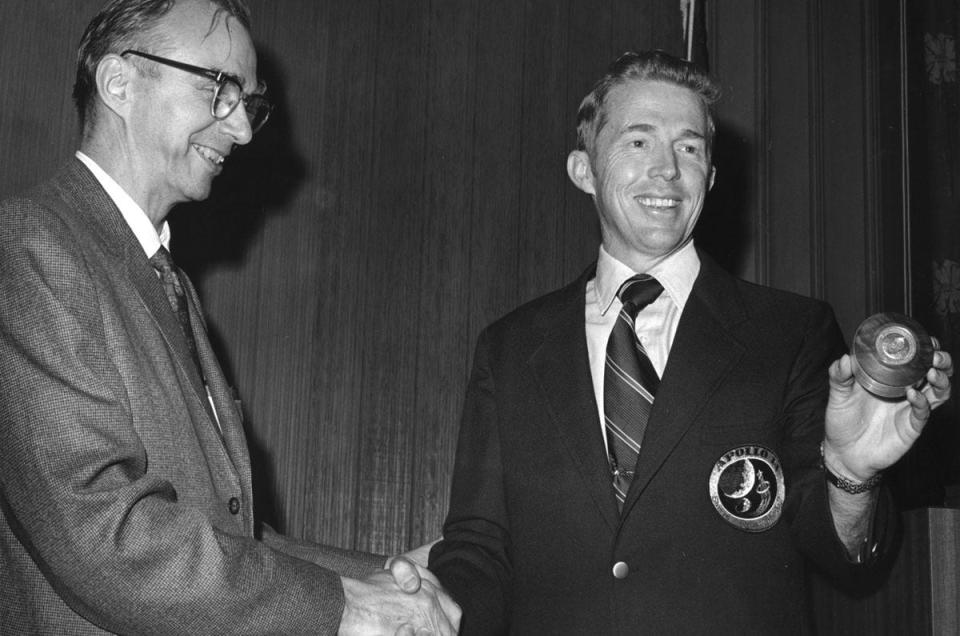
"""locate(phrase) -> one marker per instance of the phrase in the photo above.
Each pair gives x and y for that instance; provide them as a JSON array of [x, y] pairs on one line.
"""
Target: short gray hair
[[127, 24]]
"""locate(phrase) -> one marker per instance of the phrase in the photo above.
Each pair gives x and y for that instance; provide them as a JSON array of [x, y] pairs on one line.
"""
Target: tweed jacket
[[124, 506], [534, 541]]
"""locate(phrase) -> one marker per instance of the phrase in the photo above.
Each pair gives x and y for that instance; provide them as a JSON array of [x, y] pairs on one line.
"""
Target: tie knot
[[637, 292], [161, 260]]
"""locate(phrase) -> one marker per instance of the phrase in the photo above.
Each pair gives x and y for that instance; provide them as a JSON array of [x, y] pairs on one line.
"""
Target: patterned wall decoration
[[935, 203]]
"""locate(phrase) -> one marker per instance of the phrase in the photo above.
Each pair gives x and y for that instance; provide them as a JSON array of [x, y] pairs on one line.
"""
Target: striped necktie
[[629, 383]]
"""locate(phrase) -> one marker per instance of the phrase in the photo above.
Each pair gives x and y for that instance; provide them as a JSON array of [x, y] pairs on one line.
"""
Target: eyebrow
[[235, 78], [687, 133]]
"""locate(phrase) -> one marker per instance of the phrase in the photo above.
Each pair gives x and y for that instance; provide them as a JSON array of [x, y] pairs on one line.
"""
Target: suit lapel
[[561, 366], [228, 412], [702, 355], [83, 193], [151, 292], [82, 197]]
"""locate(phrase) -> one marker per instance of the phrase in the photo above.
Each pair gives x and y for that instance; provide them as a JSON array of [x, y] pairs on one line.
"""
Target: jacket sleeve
[[348, 563], [807, 507], [78, 489], [472, 560]]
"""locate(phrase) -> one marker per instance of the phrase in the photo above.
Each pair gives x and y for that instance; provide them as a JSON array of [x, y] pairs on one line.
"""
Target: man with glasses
[[125, 494]]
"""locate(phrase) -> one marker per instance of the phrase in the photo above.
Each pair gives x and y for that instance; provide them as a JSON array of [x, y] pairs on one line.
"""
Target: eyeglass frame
[[219, 78]]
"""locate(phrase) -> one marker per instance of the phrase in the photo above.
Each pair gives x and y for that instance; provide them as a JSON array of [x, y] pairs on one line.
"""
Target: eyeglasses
[[227, 92]]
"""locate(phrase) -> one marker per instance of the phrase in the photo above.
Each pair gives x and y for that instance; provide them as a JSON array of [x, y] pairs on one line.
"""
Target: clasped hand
[[866, 434], [404, 600]]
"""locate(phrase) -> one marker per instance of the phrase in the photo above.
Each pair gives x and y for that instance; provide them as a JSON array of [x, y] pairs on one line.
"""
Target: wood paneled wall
[[813, 125], [418, 158], [409, 189]]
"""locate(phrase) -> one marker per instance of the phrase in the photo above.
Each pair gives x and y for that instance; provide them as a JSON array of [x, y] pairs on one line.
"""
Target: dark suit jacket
[[533, 530], [121, 506]]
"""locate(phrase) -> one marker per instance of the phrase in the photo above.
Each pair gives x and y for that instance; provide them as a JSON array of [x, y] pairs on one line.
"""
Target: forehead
[[654, 104], [197, 33]]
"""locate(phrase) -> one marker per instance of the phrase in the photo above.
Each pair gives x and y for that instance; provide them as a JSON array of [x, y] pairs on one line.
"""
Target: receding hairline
[[602, 117], [644, 66], [139, 24], [220, 15]]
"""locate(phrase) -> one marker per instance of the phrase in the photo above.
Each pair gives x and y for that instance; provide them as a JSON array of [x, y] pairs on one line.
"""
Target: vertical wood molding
[[762, 157], [873, 221], [904, 156], [818, 195], [944, 567]]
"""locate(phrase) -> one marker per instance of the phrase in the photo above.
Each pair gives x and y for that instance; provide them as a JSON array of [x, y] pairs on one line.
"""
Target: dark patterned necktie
[[163, 263], [629, 383]]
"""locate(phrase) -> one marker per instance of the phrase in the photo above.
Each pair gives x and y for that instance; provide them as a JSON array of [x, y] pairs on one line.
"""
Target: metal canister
[[890, 353]]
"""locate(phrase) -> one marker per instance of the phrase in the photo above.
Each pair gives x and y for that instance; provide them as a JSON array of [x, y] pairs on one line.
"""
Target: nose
[[664, 164], [237, 125]]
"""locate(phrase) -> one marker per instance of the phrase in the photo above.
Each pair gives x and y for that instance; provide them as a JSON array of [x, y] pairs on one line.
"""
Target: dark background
[[411, 188]]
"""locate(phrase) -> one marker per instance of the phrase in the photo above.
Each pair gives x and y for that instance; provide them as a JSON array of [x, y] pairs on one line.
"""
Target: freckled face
[[650, 170]]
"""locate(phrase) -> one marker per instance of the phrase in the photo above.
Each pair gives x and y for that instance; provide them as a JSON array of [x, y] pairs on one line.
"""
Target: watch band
[[844, 484]]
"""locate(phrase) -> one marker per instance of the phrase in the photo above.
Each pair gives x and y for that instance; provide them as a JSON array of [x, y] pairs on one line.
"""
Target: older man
[[124, 473], [659, 447]]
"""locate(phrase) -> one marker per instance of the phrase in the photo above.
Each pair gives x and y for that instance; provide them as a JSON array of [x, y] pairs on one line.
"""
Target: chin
[[199, 190]]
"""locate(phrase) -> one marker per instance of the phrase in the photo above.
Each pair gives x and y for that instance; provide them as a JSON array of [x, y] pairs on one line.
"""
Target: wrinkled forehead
[[201, 33]]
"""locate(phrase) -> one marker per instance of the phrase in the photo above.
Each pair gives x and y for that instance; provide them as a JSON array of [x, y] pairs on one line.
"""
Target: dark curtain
[[934, 164]]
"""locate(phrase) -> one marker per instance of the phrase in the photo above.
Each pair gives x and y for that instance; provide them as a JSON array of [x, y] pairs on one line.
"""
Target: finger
[[420, 555], [444, 625], [942, 360], [919, 409], [938, 386], [841, 371], [834, 370], [405, 575], [938, 379], [444, 612], [450, 609], [427, 575]]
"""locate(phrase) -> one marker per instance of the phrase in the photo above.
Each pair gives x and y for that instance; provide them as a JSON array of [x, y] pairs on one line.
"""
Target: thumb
[[841, 372], [405, 575]]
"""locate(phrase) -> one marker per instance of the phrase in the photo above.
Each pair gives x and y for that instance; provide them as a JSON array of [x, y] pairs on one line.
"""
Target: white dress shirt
[[656, 325], [132, 213], [150, 240]]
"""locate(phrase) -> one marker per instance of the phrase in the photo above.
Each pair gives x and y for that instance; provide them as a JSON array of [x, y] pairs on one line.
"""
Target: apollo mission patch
[[747, 488]]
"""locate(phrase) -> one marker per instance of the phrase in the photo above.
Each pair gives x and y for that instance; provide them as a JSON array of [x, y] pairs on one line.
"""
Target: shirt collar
[[676, 273], [132, 213]]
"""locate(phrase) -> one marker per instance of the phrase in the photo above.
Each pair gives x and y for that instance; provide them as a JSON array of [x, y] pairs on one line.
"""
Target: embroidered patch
[[747, 488]]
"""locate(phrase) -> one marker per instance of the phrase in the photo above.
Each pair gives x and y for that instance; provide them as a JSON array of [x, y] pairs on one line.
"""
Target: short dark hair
[[127, 24], [644, 66]]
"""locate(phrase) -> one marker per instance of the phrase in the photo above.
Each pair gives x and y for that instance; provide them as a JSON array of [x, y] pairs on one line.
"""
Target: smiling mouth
[[657, 202], [210, 155]]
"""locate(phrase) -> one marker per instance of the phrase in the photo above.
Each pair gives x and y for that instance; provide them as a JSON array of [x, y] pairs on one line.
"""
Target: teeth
[[209, 154], [657, 203]]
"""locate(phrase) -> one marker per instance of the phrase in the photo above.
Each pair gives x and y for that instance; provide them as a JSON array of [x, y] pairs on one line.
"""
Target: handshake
[[405, 599]]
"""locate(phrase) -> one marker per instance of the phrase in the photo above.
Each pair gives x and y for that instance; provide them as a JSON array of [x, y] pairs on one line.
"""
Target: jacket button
[[620, 570], [234, 505]]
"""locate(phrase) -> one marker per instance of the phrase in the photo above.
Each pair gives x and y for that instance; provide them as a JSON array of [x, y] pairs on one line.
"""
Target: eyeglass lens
[[227, 97]]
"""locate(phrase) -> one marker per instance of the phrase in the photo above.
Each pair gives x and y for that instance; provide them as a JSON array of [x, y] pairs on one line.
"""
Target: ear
[[113, 79], [713, 176], [580, 171]]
